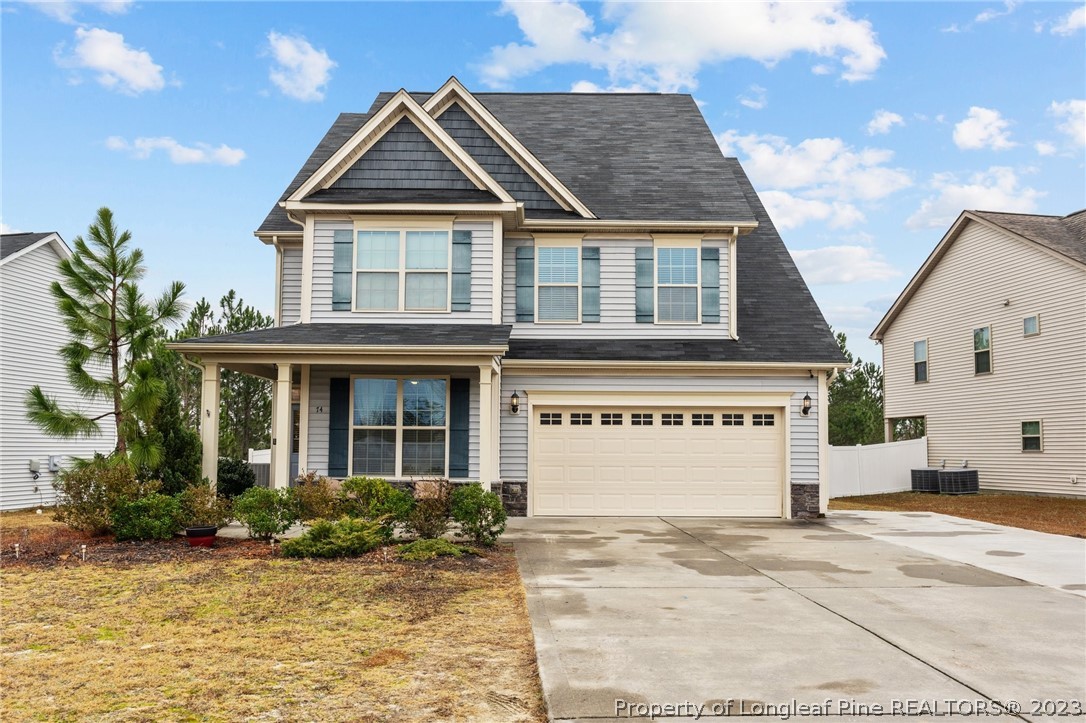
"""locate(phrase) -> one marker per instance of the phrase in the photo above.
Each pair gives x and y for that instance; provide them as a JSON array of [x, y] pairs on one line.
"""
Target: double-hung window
[[677, 290], [399, 427], [920, 360], [1031, 436], [558, 283], [982, 350], [402, 270]]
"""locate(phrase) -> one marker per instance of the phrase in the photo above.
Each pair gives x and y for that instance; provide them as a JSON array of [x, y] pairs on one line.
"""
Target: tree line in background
[[117, 354]]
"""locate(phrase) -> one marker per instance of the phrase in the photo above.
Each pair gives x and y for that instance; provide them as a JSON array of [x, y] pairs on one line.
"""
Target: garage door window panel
[[762, 420], [641, 420], [729, 419]]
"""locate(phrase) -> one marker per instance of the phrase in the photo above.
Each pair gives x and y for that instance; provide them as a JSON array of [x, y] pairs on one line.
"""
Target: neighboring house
[[988, 344], [573, 299], [31, 336]]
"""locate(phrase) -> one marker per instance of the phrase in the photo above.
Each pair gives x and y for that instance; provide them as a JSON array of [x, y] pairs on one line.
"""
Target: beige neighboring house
[[32, 333], [988, 344]]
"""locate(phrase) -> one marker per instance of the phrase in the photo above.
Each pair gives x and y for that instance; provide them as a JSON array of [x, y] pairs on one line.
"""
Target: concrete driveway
[[737, 615]]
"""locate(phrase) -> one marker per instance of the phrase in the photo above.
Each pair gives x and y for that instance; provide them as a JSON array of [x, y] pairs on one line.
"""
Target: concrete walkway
[[1052, 560], [732, 616]]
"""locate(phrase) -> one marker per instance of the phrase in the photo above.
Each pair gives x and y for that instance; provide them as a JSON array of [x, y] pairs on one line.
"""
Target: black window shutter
[[643, 270], [342, 269], [339, 425], [461, 271], [590, 284], [459, 427], [525, 283], [710, 285]]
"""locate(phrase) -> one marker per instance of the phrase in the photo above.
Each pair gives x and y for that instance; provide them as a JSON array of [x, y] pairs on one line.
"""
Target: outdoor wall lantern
[[514, 403], [806, 405]]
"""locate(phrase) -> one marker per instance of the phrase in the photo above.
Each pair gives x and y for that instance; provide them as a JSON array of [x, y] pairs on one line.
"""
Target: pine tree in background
[[113, 329], [855, 402]]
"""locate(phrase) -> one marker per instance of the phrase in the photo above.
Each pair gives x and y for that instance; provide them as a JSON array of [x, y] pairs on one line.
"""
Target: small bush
[[374, 499], [315, 497], [88, 494], [266, 512], [201, 507], [429, 518], [422, 550], [347, 537], [480, 514], [235, 476], [151, 517]]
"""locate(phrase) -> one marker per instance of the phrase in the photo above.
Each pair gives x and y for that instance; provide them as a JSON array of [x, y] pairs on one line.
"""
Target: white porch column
[[280, 451], [209, 423], [495, 450], [486, 426]]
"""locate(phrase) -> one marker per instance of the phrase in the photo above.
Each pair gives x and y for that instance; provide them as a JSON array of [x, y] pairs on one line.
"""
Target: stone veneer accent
[[805, 500], [514, 494]]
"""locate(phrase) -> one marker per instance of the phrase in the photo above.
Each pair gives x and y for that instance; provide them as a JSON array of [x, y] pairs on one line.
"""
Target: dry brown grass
[[1058, 515], [234, 637]]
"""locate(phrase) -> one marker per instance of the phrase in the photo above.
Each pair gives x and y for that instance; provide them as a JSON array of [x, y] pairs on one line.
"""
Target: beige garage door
[[657, 461]]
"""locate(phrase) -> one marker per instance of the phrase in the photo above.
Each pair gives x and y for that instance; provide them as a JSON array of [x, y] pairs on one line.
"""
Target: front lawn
[[159, 631], [1058, 515]]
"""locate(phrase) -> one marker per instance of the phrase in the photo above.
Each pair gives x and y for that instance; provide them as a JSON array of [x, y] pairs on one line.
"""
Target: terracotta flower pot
[[201, 536]]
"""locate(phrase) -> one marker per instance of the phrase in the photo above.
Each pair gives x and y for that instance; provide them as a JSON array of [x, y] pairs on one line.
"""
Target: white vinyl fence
[[876, 468]]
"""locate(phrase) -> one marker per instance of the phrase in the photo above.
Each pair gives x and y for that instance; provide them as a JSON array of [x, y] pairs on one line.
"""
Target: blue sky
[[866, 127]]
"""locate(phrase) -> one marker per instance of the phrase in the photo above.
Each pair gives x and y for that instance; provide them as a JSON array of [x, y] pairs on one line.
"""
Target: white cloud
[[883, 121], [142, 148], [300, 71], [755, 98], [66, 10], [996, 189], [1072, 23], [4, 228], [983, 128], [1009, 6], [790, 211], [1071, 115], [118, 66], [843, 265], [662, 46], [1044, 148], [952, 28]]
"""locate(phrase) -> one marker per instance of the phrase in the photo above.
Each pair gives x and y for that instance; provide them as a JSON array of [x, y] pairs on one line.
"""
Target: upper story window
[[1031, 325], [677, 289], [558, 287], [982, 350], [920, 360], [402, 270]]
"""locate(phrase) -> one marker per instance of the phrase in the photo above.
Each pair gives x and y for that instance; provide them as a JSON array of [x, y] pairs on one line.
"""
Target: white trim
[[823, 411], [638, 225], [675, 242], [308, 236], [279, 283], [399, 427], [403, 208], [557, 242], [303, 420], [497, 245], [400, 106], [53, 239], [453, 91], [733, 296]]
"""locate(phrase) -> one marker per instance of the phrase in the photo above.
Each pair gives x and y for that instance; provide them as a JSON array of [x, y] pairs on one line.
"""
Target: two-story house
[[574, 299], [987, 344]]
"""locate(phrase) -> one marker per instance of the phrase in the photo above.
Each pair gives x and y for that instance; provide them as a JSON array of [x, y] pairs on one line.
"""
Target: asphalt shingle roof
[[1063, 234], [334, 334], [629, 156], [12, 243]]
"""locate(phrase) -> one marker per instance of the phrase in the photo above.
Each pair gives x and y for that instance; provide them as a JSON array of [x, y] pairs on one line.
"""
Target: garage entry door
[[657, 461]]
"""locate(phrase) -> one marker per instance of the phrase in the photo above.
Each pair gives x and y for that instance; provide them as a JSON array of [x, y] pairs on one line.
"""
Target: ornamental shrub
[[422, 550], [151, 517], [346, 537], [375, 500], [429, 517], [481, 514], [235, 476], [266, 512], [88, 494], [201, 507], [315, 497]]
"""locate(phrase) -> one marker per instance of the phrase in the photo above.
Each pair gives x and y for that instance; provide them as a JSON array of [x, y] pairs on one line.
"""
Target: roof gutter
[[327, 350]]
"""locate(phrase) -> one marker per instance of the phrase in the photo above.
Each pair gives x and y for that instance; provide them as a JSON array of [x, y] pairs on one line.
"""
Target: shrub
[[151, 517], [201, 507], [429, 517], [480, 514], [235, 476], [265, 512], [421, 550], [374, 499], [315, 497], [89, 493], [347, 537]]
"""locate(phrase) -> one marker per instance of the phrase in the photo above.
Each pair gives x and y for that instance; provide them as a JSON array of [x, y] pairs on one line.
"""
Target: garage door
[[657, 461]]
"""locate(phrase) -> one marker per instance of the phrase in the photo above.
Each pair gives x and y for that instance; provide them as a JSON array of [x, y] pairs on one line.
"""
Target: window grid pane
[[424, 403], [423, 452], [731, 420], [611, 419], [377, 291], [427, 250], [762, 420], [580, 419], [982, 339], [641, 420], [378, 250], [550, 419], [671, 420], [677, 303], [558, 303], [374, 403], [426, 292], [374, 452], [677, 266], [701, 420], [559, 265]]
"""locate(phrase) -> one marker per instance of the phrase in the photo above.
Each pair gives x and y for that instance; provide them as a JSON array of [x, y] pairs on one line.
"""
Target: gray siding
[[32, 334], [482, 260], [404, 158], [290, 295], [617, 288], [803, 445], [317, 446]]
